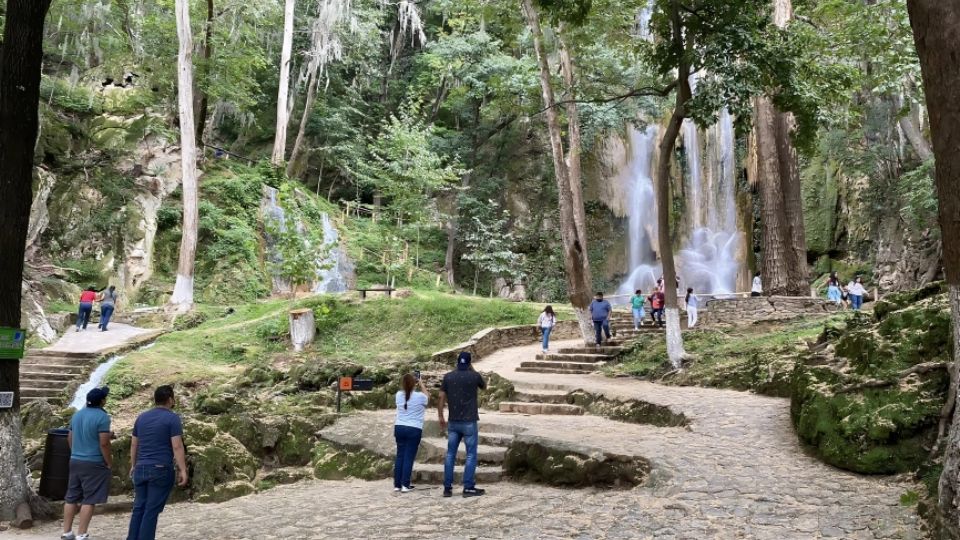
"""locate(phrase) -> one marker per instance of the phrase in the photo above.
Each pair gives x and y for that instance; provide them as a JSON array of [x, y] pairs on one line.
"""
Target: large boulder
[[868, 396], [220, 466]]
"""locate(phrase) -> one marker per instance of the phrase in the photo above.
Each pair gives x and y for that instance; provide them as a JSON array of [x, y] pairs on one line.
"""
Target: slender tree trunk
[[283, 112], [573, 135], [576, 262], [203, 100], [910, 125], [936, 32], [182, 299], [293, 167], [20, 64]]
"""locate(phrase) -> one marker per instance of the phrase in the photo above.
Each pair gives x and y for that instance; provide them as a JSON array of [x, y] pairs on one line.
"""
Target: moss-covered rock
[[862, 404], [215, 400], [216, 459], [498, 389], [332, 463], [633, 411], [555, 464]]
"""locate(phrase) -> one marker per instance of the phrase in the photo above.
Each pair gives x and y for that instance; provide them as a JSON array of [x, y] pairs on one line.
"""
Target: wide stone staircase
[[587, 359], [52, 375]]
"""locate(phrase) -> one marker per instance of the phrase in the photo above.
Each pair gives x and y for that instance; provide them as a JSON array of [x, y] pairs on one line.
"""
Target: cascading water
[[331, 271], [96, 379], [708, 260]]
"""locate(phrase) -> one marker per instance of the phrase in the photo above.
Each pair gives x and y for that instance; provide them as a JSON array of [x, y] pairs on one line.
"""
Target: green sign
[[12, 341]]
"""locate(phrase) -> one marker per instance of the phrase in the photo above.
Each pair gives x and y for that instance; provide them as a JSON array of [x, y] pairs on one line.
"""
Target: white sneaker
[[396, 490], [83, 537], [68, 536], [405, 489]]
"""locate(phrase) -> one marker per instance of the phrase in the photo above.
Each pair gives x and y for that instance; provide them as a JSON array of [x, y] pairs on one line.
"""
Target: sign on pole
[[6, 400], [12, 341]]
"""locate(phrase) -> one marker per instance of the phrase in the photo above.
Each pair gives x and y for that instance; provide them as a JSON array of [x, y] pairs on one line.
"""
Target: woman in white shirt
[[757, 288], [856, 291], [692, 304], [408, 430], [546, 322]]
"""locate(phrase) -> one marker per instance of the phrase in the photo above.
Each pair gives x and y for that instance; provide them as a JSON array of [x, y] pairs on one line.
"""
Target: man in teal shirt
[[90, 464]]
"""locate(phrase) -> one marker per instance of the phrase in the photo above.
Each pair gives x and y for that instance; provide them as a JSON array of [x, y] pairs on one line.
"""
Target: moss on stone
[[499, 389], [332, 463], [557, 465]]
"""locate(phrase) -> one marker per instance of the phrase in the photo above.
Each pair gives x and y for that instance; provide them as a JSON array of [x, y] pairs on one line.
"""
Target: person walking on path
[[693, 303], [600, 314], [157, 444], [636, 305], [657, 301], [856, 291], [459, 391], [757, 288], [546, 322], [87, 298], [107, 302], [408, 429], [834, 291], [90, 464]]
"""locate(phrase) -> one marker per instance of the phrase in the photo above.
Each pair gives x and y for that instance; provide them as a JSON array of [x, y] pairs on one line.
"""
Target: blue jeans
[[601, 327], [408, 442], [83, 316], [152, 485], [105, 313], [856, 301], [637, 317], [469, 434], [546, 337]]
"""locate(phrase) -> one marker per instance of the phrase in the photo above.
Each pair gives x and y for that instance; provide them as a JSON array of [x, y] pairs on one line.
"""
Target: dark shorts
[[89, 483]]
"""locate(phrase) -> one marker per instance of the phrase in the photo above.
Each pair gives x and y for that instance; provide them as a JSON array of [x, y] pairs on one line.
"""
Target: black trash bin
[[56, 465]]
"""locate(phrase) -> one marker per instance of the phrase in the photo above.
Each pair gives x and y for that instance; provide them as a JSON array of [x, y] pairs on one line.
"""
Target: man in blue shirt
[[157, 442], [600, 313], [90, 464]]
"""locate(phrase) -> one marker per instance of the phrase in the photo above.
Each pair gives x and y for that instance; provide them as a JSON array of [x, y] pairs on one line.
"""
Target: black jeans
[[602, 327]]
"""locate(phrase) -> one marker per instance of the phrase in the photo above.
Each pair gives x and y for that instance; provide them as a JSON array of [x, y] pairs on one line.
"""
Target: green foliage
[[489, 244], [916, 189], [298, 248]]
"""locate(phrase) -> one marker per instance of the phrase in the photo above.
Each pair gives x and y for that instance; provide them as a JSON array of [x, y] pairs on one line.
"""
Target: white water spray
[[96, 378]]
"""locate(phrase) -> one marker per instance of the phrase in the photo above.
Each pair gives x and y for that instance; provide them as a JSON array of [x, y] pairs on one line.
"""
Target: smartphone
[[417, 374]]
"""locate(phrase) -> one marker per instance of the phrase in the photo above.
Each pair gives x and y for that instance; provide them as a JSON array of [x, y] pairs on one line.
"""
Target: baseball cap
[[463, 361], [96, 396]]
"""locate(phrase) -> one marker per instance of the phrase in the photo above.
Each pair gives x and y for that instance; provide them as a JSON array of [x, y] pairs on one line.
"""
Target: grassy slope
[[378, 330]]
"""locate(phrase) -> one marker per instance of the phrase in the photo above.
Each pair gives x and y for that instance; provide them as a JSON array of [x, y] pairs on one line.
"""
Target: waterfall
[[708, 260], [96, 378], [332, 270]]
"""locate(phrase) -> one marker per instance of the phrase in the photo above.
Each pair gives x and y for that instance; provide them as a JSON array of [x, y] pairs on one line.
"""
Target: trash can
[[56, 465]]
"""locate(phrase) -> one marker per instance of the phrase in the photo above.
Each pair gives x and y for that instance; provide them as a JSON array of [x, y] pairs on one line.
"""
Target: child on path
[[546, 322], [833, 292], [408, 429], [87, 299], [692, 304], [636, 303]]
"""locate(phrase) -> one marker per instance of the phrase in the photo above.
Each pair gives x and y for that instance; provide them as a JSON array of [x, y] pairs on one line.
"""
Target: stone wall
[[490, 340], [734, 311]]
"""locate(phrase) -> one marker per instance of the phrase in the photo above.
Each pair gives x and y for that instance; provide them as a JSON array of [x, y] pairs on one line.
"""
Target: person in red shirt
[[657, 300], [87, 298]]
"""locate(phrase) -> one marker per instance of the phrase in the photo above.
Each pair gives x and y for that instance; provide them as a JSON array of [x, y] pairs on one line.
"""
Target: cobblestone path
[[736, 472]]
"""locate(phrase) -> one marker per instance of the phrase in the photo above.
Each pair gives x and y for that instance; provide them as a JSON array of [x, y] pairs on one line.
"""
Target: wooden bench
[[363, 292]]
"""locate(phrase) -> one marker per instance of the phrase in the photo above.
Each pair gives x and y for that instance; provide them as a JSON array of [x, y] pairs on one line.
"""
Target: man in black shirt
[[459, 390]]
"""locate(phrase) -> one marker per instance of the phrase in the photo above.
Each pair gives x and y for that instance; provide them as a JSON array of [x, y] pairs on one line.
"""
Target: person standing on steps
[[408, 429], [757, 288], [834, 293], [857, 292], [636, 305], [600, 314], [87, 298], [459, 391], [157, 444], [546, 322], [657, 301], [107, 302], [693, 303], [90, 464]]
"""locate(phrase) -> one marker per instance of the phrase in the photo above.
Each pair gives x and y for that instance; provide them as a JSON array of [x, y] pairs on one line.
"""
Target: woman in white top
[[757, 288], [692, 304], [856, 291], [546, 322], [408, 429]]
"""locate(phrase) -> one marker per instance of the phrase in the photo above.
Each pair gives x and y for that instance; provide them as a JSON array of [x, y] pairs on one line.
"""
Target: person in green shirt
[[636, 302]]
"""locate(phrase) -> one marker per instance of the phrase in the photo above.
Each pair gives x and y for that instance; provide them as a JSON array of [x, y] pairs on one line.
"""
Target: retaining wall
[[490, 340], [734, 311]]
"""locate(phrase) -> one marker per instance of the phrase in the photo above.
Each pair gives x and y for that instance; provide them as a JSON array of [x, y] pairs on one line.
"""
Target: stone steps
[[541, 396], [552, 370], [540, 408], [434, 450], [432, 473], [53, 395], [609, 350], [575, 358], [46, 375], [576, 367]]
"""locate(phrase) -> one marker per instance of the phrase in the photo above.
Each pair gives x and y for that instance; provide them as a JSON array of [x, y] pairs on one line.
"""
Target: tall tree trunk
[[936, 32], [575, 260], [182, 298], [296, 155], [674, 336], [283, 111], [20, 63], [784, 238], [202, 99], [573, 135]]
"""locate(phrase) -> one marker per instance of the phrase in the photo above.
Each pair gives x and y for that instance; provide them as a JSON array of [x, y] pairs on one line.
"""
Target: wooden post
[[23, 519], [302, 328]]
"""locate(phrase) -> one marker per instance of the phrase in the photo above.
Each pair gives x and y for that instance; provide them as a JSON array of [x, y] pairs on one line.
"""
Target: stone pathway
[[737, 471], [50, 374]]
